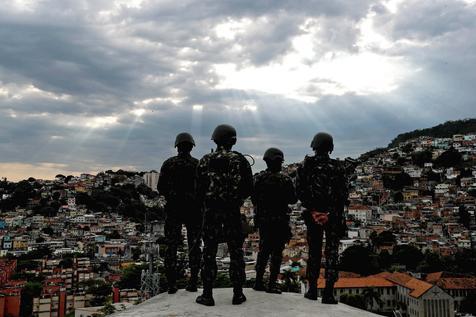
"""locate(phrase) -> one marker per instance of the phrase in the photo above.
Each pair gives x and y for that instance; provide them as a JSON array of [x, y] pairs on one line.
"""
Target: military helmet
[[272, 154], [323, 141], [223, 132], [184, 137]]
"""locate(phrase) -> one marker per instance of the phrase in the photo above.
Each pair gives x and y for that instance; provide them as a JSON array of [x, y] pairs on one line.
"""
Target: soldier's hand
[[320, 218]]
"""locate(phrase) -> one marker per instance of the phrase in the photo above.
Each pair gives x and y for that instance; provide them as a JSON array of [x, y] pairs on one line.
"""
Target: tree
[[420, 158], [465, 261], [449, 158], [130, 277], [432, 262], [353, 300], [371, 295], [385, 260], [464, 217], [398, 181], [108, 309], [385, 238], [291, 283], [472, 192], [66, 263], [48, 230], [407, 148], [222, 280], [468, 305], [100, 291], [398, 197], [359, 260], [23, 191], [29, 291], [407, 255]]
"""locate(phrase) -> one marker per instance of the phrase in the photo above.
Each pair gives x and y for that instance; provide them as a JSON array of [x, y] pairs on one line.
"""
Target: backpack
[[224, 177], [323, 182]]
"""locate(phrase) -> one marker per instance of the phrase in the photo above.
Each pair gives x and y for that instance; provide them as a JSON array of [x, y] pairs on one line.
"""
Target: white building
[[151, 179], [361, 213]]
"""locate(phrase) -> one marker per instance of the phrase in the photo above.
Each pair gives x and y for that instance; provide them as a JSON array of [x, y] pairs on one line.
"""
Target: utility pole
[[150, 278]]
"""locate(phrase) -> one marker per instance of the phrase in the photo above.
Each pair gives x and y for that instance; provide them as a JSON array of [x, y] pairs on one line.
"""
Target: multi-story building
[[151, 179], [398, 291]]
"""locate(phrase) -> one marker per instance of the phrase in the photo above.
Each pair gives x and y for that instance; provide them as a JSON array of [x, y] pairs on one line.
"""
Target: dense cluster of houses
[[421, 206]]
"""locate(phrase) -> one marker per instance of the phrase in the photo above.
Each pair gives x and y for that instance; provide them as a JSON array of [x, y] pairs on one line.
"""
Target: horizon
[[261, 166], [95, 85]]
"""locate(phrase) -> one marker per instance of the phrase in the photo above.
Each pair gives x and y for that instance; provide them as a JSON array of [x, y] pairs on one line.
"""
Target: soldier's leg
[[194, 253], [314, 240], [331, 253], [275, 266], [173, 238], [237, 269], [209, 270], [262, 260]]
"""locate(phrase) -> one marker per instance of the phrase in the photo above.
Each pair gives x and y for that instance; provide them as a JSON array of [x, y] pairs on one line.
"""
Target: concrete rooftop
[[258, 304]]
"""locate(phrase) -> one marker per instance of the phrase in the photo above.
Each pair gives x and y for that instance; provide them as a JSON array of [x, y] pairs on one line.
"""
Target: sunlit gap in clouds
[[196, 124], [86, 128], [136, 118]]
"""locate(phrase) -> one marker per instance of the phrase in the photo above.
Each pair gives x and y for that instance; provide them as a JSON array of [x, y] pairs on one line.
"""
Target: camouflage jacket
[[224, 177], [321, 185], [177, 179], [272, 193]]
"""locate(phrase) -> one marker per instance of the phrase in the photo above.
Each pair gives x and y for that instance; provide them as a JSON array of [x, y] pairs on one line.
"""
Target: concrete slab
[[258, 304]]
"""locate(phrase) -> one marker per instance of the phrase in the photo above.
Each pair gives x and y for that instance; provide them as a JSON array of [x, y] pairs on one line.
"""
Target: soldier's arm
[[246, 178], [302, 186], [291, 192], [255, 189], [200, 179], [163, 186]]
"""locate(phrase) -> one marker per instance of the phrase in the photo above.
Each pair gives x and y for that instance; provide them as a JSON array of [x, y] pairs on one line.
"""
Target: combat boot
[[259, 285], [206, 298], [328, 294], [312, 291], [238, 296], [273, 276], [273, 289], [171, 281], [191, 286]]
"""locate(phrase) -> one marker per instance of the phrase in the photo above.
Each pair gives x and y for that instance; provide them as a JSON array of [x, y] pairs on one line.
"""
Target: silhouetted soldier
[[273, 192], [177, 184], [322, 189], [224, 180]]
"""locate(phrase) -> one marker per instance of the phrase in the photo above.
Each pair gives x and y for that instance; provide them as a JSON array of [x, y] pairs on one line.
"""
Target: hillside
[[444, 130]]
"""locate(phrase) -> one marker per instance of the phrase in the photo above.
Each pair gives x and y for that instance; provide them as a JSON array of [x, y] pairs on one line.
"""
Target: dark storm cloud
[[91, 85]]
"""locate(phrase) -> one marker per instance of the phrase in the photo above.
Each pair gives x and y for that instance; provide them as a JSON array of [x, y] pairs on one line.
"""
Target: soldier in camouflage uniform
[[224, 180], [321, 187], [273, 192], [177, 185]]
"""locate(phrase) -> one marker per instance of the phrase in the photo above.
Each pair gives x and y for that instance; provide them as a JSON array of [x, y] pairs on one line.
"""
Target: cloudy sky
[[90, 85]]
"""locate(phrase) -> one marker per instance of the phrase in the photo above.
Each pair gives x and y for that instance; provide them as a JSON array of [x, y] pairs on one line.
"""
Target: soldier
[[273, 192], [224, 180], [321, 187], [177, 185]]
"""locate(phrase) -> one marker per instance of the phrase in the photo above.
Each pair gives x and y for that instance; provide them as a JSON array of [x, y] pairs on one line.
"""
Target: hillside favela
[[82, 245], [237, 158]]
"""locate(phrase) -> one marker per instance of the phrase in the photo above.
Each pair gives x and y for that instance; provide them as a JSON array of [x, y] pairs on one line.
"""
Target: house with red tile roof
[[459, 286], [398, 291]]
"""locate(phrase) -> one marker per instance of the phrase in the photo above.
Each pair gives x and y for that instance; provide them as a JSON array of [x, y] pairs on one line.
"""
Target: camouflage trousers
[[223, 225], [173, 237], [315, 235], [272, 241]]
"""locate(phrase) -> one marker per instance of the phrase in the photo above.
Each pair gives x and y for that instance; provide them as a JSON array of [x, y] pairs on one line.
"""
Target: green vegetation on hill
[[444, 130]]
